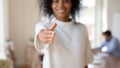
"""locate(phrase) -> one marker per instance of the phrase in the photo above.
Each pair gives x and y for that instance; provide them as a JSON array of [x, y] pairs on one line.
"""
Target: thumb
[[53, 27]]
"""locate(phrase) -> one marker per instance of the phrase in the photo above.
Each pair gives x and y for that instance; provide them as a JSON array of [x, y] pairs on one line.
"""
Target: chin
[[61, 15]]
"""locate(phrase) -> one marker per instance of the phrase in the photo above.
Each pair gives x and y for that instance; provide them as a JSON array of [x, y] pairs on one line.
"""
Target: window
[[92, 16], [1, 21], [87, 17], [2, 54]]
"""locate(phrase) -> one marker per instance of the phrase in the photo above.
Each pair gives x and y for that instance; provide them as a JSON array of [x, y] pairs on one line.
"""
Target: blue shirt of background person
[[112, 44]]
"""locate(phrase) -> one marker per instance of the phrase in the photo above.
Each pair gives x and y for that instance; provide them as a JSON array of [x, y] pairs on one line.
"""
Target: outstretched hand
[[48, 35]]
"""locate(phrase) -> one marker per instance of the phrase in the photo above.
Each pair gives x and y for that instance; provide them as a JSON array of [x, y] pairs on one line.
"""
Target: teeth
[[61, 10]]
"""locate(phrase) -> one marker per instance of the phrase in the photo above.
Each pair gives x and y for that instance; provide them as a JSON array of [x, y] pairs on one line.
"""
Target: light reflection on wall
[[2, 54]]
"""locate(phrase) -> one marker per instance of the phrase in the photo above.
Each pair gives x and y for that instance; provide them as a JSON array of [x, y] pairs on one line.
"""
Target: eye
[[55, 1], [66, 1]]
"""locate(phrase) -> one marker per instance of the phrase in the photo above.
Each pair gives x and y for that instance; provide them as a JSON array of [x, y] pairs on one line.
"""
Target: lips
[[61, 11]]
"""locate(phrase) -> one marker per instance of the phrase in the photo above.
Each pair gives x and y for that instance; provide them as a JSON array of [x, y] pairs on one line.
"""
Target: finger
[[50, 41], [49, 34], [53, 27], [47, 39], [46, 36]]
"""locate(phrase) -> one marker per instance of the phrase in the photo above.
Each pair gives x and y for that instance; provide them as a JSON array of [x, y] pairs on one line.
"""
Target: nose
[[61, 4]]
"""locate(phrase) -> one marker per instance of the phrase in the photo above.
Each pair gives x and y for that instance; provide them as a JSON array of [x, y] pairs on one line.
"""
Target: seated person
[[112, 44]]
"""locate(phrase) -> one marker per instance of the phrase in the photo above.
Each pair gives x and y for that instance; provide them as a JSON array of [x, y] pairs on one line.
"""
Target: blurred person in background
[[110, 46]]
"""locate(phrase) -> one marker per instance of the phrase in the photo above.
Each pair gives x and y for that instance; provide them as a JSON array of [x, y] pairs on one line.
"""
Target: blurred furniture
[[38, 63], [104, 60], [94, 65], [6, 64], [9, 51], [99, 61], [32, 57]]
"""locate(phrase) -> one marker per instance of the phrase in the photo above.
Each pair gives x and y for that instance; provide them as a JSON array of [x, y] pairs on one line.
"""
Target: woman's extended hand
[[47, 36]]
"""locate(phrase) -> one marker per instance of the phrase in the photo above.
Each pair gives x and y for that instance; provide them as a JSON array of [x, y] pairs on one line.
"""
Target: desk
[[103, 60]]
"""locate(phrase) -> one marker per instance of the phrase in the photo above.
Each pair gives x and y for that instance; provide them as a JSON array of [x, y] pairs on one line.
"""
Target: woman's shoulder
[[80, 25], [43, 24], [40, 23]]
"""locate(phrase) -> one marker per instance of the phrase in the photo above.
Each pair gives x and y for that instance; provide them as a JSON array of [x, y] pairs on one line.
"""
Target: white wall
[[4, 20], [4, 26], [113, 6], [23, 17], [1, 22], [113, 19]]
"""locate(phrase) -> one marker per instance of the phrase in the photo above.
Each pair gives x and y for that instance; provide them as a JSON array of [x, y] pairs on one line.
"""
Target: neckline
[[62, 23]]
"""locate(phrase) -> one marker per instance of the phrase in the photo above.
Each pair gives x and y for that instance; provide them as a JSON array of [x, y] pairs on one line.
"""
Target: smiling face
[[61, 9]]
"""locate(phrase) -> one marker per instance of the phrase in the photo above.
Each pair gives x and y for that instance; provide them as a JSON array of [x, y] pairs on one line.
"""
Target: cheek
[[53, 8], [69, 7]]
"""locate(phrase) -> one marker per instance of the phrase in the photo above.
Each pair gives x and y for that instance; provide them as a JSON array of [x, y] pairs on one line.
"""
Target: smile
[[61, 11]]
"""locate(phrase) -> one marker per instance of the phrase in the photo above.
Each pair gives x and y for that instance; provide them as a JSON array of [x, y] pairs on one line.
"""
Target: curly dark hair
[[45, 6]]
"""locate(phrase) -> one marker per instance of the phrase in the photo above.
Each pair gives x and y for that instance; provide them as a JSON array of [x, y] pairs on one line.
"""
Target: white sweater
[[70, 49]]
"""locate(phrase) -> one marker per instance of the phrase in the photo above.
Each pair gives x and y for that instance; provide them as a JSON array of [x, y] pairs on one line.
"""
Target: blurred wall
[[113, 6], [23, 17], [6, 19]]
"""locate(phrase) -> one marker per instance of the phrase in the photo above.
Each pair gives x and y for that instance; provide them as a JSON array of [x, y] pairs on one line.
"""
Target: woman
[[67, 45]]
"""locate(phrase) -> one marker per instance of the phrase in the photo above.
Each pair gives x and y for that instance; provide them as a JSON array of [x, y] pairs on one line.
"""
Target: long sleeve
[[101, 45], [88, 54], [112, 46], [40, 46]]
